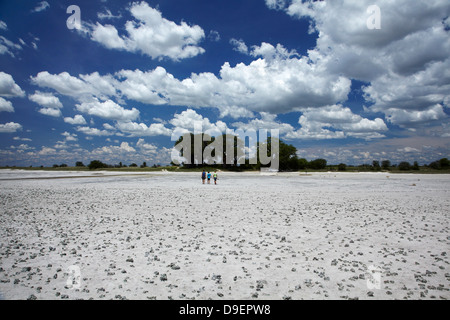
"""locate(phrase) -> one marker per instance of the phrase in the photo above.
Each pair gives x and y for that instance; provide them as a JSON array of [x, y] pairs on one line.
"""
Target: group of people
[[208, 176]]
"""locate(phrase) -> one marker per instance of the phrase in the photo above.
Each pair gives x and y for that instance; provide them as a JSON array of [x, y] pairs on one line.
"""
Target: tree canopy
[[232, 153]]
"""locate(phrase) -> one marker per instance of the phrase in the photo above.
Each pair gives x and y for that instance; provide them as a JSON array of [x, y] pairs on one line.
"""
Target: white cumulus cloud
[[141, 129], [45, 99], [76, 120], [8, 87], [50, 112], [152, 35], [6, 105], [405, 62], [41, 6], [10, 127], [107, 110], [94, 131]]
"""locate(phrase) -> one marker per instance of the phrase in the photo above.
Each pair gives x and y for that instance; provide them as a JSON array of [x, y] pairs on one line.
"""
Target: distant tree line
[[97, 164], [444, 163], [441, 164], [385, 165], [289, 161]]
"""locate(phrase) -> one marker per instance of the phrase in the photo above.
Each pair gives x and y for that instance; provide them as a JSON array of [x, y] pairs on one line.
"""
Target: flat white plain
[[168, 236]]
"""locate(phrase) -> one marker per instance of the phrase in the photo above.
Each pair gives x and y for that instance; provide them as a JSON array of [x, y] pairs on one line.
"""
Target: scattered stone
[[217, 278], [173, 266], [260, 284]]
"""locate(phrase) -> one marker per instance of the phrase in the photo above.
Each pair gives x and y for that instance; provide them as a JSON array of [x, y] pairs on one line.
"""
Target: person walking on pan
[[215, 177], [203, 176], [209, 177]]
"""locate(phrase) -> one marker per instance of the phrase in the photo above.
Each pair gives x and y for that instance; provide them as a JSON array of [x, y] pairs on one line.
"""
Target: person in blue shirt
[[203, 176], [209, 177]]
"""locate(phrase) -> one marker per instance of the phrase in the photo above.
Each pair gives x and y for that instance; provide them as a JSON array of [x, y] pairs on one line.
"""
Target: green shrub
[[318, 164], [404, 166], [97, 164]]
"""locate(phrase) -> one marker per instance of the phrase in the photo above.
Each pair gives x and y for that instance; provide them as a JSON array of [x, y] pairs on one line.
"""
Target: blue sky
[[335, 85]]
